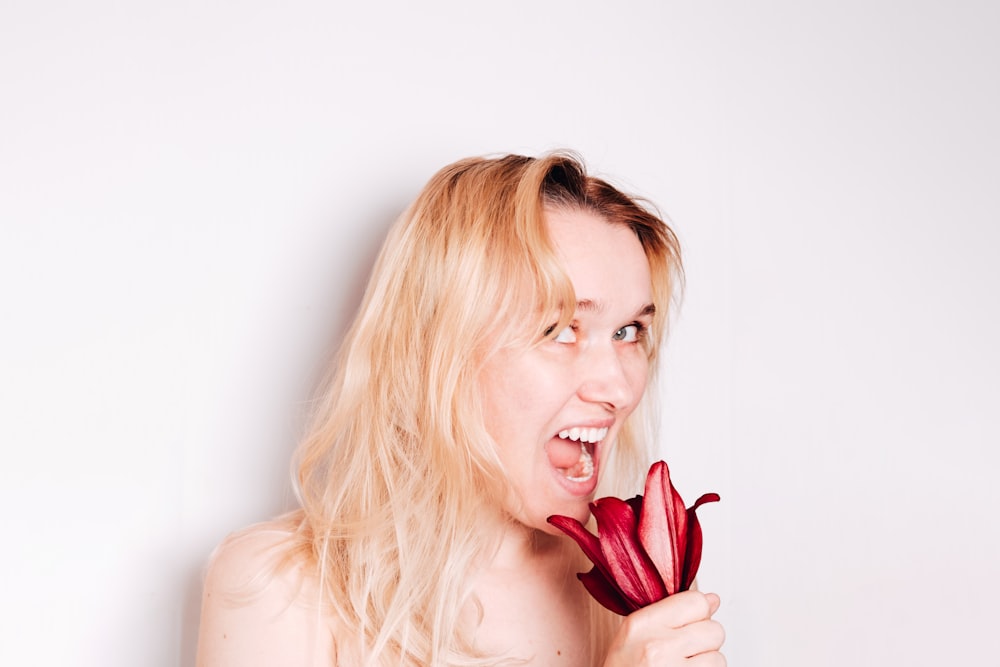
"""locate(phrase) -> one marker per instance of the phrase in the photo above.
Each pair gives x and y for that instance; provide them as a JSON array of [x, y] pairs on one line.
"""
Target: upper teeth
[[584, 434]]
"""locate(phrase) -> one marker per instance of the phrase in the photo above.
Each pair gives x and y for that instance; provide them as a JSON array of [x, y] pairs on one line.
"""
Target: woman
[[490, 380]]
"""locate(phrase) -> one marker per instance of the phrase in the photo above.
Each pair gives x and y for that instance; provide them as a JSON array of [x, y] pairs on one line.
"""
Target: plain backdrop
[[192, 195]]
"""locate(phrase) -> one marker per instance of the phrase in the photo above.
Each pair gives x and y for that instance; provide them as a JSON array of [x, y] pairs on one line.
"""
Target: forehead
[[605, 261]]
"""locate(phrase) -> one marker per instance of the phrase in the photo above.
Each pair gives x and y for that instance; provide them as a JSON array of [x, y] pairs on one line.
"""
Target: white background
[[192, 193]]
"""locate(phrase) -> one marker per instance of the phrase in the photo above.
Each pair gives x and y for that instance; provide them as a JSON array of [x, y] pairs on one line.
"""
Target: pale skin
[[533, 605]]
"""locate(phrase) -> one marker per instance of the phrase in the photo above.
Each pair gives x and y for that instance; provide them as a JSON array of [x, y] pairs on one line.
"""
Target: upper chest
[[537, 614]]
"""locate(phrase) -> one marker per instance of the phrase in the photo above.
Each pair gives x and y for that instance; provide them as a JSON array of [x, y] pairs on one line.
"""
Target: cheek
[[637, 372], [514, 389]]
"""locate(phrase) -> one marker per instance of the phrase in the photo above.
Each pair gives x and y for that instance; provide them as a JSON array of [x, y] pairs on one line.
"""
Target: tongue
[[563, 454]]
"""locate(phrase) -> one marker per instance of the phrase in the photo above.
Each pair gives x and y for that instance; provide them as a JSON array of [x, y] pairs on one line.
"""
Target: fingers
[[679, 626], [679, 610], [694, 640], [703, 638], [713, 603], [713, 659], [695, 644]]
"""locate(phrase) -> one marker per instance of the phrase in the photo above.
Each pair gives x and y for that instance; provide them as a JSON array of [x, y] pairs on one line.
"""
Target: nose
[[605, 379]]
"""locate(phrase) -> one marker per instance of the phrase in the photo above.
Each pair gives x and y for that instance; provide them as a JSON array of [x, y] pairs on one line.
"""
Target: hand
[[677, 630]]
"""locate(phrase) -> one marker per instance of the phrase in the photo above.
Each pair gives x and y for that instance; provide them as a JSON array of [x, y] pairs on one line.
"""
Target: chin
[[578, 511]]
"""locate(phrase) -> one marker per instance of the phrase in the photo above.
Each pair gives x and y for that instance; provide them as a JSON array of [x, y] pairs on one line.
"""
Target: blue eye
[[629, 334]]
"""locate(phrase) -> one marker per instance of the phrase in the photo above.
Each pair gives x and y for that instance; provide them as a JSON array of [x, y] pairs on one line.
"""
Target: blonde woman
[[492, 378]]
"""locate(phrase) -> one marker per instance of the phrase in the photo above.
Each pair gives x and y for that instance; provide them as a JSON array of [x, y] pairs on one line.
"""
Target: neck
[[520, 545]]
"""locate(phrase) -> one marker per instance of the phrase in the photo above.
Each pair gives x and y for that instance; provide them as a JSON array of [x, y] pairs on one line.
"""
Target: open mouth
[[574, 455]]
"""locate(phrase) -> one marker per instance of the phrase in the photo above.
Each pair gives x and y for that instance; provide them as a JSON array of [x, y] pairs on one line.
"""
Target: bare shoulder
[[260, 604]]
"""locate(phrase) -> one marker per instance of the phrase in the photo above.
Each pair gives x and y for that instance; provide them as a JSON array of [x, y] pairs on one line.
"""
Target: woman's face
[[554, 410]]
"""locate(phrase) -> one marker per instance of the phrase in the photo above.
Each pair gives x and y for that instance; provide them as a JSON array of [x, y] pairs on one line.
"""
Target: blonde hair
[[397, 469]]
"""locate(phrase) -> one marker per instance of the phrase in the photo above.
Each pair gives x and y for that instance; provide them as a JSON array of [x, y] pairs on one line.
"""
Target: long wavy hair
[[397, 471]]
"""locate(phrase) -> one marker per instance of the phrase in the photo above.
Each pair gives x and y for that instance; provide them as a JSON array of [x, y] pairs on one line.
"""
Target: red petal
[[588, 541], [679, 517], [692, 556], [705, 498], [636, 504], [599, 581], [631, 534], [654, 528], [606, 592], [630, 568], [663, 526]]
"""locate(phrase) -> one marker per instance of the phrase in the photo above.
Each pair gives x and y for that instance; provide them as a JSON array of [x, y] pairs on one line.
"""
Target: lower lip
[[580, 489]]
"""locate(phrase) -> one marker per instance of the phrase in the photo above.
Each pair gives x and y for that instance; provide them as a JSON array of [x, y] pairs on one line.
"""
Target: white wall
[[191, 195]]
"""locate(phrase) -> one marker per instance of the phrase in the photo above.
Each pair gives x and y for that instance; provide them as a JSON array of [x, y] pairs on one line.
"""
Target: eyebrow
[[589, 305]]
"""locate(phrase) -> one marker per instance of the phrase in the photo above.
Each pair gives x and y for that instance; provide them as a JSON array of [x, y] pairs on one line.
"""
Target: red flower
[[645, 549]]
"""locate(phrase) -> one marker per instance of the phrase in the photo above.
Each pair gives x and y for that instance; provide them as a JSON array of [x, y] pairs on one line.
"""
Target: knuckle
[[630, 625], [696, 604], [634, 628]]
